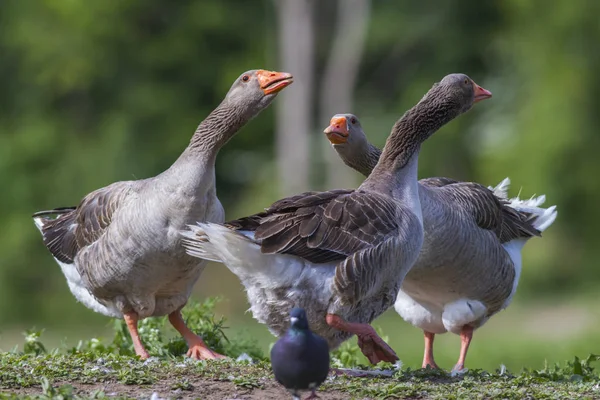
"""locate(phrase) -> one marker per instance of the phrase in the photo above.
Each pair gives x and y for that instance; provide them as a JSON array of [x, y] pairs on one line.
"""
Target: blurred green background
[[94, 92]]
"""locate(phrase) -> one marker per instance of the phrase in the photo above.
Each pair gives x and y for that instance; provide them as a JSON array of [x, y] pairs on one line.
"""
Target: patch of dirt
[[200, 389]]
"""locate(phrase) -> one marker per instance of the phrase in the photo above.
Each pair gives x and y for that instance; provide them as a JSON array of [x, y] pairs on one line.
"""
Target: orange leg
[[371, 345], [131, 319], [197, 348], [428, 356], [466, 334]]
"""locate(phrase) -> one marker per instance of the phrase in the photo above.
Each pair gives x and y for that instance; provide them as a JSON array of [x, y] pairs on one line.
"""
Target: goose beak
[[337, 131], [273, 82], [481, 93]]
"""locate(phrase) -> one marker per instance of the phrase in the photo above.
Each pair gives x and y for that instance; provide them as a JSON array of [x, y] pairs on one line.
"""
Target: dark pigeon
[[300, 359]]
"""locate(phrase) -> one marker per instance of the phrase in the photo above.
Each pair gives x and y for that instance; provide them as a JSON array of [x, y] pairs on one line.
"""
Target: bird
[[469, 266], [300, 359], [120, 250], [339, 254]]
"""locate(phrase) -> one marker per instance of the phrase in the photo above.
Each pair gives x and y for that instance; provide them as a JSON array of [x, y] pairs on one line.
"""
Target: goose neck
[[410, 131], [363, 160]]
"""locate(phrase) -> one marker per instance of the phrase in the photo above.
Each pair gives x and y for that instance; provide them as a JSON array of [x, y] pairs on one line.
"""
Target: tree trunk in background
[[293, 107], [339, 81]]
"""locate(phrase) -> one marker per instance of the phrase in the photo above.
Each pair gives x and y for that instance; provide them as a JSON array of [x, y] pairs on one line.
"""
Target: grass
[[96, 369], [59, 374]]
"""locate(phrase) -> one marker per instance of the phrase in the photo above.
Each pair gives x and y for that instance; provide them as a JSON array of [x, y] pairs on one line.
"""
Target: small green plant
[[246, 382], [182, 384], [348, 355], [33, 345], [576, 370]]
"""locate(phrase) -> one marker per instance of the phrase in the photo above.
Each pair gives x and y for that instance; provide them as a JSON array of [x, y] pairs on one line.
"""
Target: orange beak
[[480, 93], [337, 131], [273, 82]]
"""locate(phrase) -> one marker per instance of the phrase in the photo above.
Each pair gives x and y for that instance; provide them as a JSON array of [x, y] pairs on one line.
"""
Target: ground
[[100, 369], [85, 375]]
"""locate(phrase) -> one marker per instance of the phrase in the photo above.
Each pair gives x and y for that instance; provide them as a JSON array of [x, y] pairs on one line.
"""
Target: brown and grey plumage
[[469, 265], [120, 248], [341, 254]]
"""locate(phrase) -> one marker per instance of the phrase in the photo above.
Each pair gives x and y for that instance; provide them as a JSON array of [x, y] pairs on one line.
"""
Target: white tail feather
[[39, 223], [243, 256], [545, 216], [197, 243], [501, 189]]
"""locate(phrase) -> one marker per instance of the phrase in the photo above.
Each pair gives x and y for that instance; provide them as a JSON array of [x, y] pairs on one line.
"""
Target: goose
[[341, 254], [120, 249], [470, 262]]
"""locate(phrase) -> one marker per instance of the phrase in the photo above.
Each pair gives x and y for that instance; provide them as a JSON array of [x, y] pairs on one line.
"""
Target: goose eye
[[466, 81], [245, 78], [353, 120]]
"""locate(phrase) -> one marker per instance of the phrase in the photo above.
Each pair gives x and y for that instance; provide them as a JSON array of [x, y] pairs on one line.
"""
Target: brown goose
[[120, 249], [470, 262], [341, 254]]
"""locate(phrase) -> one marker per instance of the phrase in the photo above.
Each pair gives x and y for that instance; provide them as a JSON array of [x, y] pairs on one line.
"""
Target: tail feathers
[[501, 189], [243, 256], [39, 223], [40, 218], [544, 217], [56, 211], [215, 242], [197, 244]]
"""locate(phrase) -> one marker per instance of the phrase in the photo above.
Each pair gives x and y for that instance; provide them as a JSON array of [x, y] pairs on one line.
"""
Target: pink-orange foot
[[431, 364], [131, 320], [201, 351], [466, 335], [371, 345], [428, 355], [197, 348], [313, 395], [374, 347]]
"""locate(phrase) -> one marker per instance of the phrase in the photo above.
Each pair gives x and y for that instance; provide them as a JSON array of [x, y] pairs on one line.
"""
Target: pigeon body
[[300, 358]]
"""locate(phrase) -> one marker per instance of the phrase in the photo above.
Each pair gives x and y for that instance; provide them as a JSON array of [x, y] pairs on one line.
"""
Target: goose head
[[345, 130], [346, 135], [460, 90], [254, 90]]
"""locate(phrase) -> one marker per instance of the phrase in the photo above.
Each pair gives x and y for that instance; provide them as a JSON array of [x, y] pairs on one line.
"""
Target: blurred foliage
[[94, 92]]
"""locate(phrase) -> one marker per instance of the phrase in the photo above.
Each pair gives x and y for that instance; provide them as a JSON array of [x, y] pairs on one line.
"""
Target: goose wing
[[81, 226], [355, 228]]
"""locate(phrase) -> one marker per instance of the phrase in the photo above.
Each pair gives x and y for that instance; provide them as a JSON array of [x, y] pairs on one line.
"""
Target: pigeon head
[[298, 319]]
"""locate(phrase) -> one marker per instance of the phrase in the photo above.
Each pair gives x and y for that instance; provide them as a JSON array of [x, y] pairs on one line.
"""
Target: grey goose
[[470, 262], [120, 248]]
